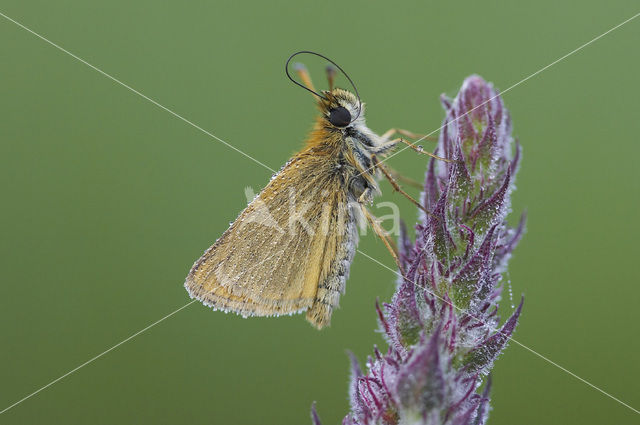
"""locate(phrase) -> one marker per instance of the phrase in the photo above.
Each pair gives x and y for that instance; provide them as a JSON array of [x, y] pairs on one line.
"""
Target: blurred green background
[[107, 199]]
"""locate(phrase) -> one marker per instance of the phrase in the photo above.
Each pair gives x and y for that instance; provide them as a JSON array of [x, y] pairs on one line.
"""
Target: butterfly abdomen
[[332, 285]]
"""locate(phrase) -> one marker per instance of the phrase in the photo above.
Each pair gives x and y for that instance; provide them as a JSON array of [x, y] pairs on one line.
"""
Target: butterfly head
[[341, 109]]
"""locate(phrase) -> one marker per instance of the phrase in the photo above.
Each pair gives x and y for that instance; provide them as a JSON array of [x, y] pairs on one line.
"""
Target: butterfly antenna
[[304, 74], [331, 75]]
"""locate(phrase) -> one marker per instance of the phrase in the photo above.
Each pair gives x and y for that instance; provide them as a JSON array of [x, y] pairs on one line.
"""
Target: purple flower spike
[[441, 325], [314, 415]]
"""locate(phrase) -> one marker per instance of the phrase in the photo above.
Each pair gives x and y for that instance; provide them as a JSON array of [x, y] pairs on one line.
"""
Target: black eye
[[340, 117]]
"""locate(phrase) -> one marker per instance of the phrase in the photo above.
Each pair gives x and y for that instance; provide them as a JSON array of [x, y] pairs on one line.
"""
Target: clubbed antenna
[[303, 72], [331, 75], [308, 85]]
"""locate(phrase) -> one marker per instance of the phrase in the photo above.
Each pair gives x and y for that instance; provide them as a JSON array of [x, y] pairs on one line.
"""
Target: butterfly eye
[[340, 117]]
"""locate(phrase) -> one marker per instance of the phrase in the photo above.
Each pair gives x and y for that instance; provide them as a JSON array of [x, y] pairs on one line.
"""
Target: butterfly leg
[[404, 179], [387, 146], [383, 235], [377, 164], [420, 149], [387, 134]]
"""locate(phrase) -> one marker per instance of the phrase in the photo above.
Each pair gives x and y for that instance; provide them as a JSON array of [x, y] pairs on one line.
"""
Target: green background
[[107, 199]]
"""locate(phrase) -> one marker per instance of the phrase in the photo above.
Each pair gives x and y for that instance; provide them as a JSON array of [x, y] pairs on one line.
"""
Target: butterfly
[[291, 248]]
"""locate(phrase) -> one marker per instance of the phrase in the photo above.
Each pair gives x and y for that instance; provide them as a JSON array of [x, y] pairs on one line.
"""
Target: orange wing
[[289, 251]]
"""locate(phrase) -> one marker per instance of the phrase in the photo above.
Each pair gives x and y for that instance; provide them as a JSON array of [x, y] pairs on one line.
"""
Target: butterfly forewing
[[288, 251]]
